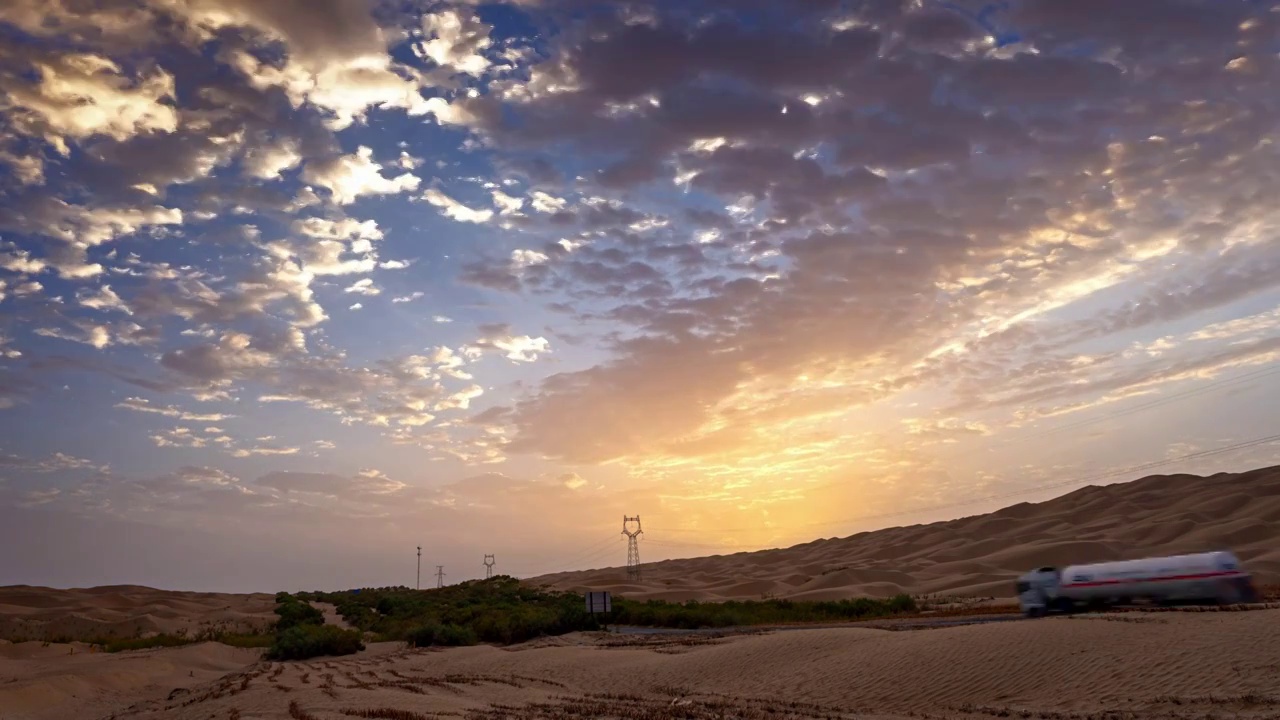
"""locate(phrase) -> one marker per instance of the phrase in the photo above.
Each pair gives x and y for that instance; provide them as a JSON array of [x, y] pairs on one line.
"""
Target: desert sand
[[981, 555], [41, 613], [1149, 665], [1146, 664]]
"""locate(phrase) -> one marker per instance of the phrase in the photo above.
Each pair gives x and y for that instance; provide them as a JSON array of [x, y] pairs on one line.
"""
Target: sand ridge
[[40, 613], [982, 555]]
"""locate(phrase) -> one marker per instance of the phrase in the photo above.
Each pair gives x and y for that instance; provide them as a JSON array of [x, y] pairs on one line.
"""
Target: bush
[[294, 612], [442, 634], [500, 610], [306, 641]]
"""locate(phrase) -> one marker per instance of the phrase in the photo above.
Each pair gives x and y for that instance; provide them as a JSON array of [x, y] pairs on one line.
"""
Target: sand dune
[[40, 681], [1169, 665], [980, 555], [40, 613], [1141, 665]]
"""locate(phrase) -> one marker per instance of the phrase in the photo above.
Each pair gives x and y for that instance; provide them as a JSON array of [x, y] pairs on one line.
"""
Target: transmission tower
[[418, 584], [439, 576], [633, 546], [488, 566]]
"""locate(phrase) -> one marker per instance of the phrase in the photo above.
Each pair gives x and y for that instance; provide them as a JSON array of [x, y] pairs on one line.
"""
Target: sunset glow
[[289, 288]]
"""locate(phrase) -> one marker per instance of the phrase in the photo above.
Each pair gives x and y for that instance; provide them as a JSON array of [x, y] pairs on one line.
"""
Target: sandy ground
[[1157, 665], [41, 613], [981, 555], [1170, 665]]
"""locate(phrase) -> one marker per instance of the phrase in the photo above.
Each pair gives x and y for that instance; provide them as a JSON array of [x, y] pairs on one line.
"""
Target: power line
[[1213, 386], [591, 553]]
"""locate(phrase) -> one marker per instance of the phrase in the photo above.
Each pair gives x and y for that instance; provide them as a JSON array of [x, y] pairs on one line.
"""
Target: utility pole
[[488, 566], [633, 546], [439, 576], [418, 584]]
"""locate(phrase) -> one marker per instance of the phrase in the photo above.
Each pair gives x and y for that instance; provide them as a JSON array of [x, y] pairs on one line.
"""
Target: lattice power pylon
[[439, 576], [488, 566], [633, 546]]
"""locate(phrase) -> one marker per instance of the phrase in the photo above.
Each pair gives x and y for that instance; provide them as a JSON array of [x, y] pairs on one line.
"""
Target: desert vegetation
[[502, 611], [301, 633]]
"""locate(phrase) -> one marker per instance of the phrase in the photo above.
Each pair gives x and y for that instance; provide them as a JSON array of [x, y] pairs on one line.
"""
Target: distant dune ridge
[[122, 611], [981, 555]]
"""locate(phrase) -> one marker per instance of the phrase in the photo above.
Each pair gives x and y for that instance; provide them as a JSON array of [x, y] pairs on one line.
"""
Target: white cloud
[[410, 297], [90, 334], [364, 287], [104, 299], [517, 348], [266, 162], [138, 404], [247, 452], [348, 177], [407, 161], [457, 41], [80, 95], [454, 209], [506, 204], [544, 203]]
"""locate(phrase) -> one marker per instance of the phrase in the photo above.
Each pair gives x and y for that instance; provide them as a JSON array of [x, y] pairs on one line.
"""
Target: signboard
[[598, 602]]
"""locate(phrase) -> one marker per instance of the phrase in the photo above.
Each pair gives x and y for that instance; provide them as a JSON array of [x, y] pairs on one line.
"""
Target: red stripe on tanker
[[1197, 576]]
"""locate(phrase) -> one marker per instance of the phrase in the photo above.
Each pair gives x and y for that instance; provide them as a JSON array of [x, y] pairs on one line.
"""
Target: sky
[[288, 289]]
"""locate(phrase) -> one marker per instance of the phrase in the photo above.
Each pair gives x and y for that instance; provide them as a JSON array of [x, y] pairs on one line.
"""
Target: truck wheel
[[1034, 612], [1064, 605]]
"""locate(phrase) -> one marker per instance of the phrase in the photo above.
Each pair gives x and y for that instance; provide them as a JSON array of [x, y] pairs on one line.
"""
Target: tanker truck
[[1209, 577]]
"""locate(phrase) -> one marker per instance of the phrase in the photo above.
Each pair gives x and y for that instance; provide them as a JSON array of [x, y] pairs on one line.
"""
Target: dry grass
[[668, 644], [1205, 707], [1250, 699], [297, 713], [395, 714], [635, 707]]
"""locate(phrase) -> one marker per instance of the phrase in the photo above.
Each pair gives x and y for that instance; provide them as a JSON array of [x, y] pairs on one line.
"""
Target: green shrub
[[306, 641], [442, 634], [500, 610], [294, 612]]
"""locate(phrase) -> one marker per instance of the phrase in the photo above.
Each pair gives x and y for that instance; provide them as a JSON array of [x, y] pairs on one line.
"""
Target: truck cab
[[1038, 590]]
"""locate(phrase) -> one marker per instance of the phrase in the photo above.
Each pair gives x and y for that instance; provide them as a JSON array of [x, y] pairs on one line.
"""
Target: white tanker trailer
[[1213, 577]]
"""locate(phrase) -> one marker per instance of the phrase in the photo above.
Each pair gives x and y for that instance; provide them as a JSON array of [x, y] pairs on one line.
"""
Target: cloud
[[457, 41], [885, 230], [143, 405], [573, 481], [456, 210], [365, 482], [363, 287], [81, 95], [347, 177], [498, 338]]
